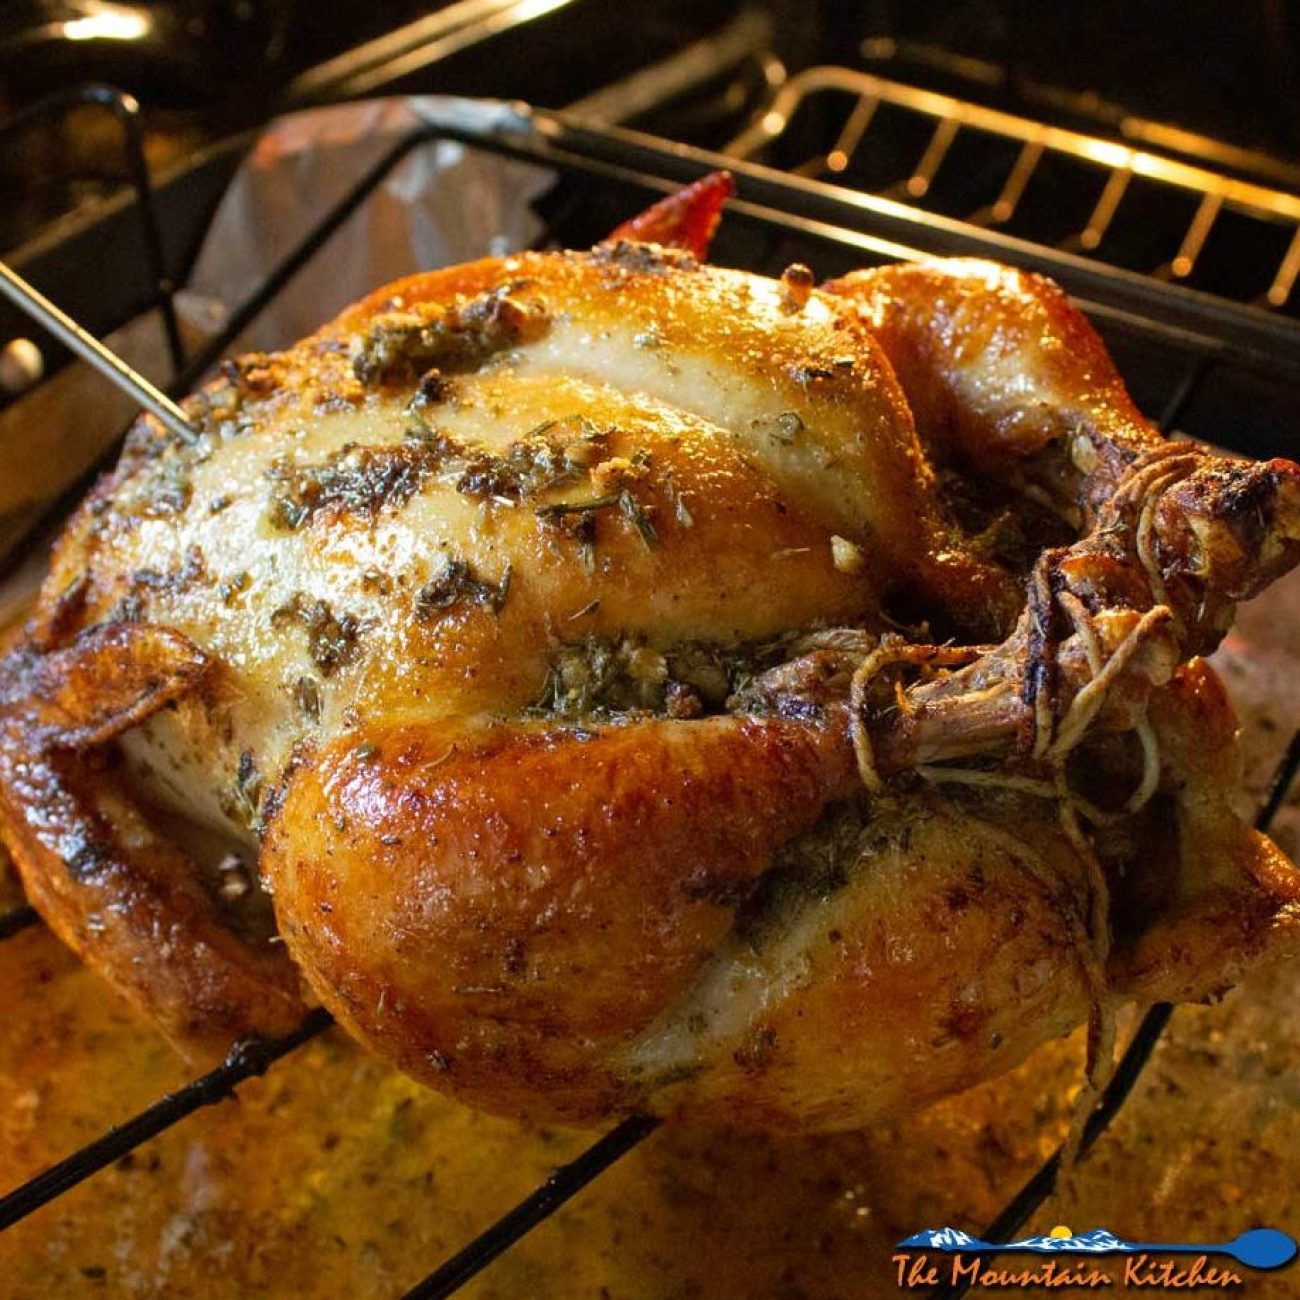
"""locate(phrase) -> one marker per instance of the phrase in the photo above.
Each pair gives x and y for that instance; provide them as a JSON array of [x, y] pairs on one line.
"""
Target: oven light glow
[[1117, 156], [108, 23]]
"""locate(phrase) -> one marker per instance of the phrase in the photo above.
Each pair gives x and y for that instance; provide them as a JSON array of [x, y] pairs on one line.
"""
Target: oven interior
[[854, 139]]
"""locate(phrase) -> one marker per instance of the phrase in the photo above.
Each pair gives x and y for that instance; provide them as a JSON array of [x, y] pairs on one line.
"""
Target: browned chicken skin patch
[[531, 633]]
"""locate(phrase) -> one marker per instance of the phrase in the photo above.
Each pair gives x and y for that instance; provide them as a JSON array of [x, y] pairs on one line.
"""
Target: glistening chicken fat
[[643, 685]]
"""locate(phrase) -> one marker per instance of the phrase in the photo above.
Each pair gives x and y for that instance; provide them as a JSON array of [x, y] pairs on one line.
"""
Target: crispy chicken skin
[[531, 636]]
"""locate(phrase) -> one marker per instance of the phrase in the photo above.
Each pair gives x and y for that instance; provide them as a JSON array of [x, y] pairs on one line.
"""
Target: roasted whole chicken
[[609, 682]]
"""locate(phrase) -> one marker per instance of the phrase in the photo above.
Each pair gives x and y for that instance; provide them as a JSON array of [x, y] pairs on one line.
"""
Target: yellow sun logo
[[1060, 1232]]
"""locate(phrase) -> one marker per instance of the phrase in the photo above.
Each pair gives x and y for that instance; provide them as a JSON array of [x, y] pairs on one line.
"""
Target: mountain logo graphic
[[1260, 1248]]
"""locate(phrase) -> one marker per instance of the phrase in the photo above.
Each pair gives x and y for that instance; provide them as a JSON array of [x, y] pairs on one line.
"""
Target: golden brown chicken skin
[[530, 635]]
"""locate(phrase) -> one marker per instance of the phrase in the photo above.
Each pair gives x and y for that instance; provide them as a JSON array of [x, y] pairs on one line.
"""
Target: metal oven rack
[[1177, 346], [989, 165]]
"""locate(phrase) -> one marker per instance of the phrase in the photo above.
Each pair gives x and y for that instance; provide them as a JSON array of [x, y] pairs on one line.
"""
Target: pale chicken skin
[[531, 636]]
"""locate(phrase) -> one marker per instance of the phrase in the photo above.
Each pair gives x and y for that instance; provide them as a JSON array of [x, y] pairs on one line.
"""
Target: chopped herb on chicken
[[402, 345], [361, 480], [332, 639], [458, 583], [602, 675]]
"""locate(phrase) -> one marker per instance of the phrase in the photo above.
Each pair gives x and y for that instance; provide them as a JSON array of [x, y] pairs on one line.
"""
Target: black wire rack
[[158, 291], [1176, 344], [1006, 171]]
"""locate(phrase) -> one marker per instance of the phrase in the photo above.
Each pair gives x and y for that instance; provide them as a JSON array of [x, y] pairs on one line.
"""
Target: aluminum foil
[[442, 204]]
